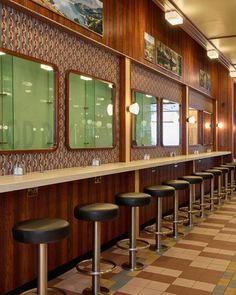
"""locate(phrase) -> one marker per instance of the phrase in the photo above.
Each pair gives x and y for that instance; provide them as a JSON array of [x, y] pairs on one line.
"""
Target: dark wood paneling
[[18, 261]]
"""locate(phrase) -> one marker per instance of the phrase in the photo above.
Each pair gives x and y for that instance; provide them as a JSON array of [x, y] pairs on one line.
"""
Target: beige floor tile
[[159, 286], [203, 286], [184, 282], [147, 291]]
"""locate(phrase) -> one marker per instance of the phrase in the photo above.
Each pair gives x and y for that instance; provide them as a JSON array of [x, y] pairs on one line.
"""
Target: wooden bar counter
[[55, 193]]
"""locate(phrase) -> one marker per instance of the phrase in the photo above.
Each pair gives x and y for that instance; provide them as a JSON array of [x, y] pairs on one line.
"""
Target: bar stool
[[159, 192], [231, 169], [193, 179], [41, 232], [96, 213], [177, 185], [133, 200], [234, 181], [218, 174], [208, 176], [225, 172]]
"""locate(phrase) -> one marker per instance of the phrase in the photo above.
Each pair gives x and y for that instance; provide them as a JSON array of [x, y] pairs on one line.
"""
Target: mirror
[[145, 122], [170, 123], [207, 128], [90, 112], [193, 126], [27, 104]]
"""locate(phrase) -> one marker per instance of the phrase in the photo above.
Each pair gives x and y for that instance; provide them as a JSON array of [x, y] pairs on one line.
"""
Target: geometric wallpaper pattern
[[28, 35]]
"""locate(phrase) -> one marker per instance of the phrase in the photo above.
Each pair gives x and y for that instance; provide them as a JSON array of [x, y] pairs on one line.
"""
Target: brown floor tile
[[156, 277], [214, 220], [211, 276], [185, 291], [170, 262], [215, 255], [222, 245], [199, 237], [189, 247]]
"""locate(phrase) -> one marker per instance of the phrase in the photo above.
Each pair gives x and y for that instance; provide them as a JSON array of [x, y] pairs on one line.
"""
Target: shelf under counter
[[35, 179]]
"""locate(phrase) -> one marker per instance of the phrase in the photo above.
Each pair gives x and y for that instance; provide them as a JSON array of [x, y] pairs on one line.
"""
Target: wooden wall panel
[[18, 261]]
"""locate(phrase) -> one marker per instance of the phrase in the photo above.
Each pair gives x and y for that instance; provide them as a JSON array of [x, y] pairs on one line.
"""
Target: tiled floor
[[200, 263]]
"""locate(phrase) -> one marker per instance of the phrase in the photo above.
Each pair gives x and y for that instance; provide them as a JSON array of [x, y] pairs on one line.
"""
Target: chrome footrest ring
[[88, 270], [127, 245], [166, 230]]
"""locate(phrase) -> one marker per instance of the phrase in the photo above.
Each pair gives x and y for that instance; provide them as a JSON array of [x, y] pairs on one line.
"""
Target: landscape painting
[[168, 58], [149, 47], [87, 13]]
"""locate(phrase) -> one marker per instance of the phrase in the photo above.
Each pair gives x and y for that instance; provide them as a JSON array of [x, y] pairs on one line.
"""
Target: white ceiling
[[216, 19]]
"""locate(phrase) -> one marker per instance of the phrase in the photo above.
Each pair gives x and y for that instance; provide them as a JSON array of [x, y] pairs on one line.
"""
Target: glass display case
[[170, 123], [27, 104], [145, 122], [89, 112]]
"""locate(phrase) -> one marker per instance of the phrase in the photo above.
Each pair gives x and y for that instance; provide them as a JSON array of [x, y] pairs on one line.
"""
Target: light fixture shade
[[219, 125], [232, 74], [173, 17], [212, 53], [85, 78], [134, 108], [46, 67], [191, 120]]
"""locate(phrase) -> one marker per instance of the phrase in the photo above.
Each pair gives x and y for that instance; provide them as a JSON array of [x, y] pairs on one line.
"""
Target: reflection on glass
[[207, 128], [170, 123], [193, 130], [26, 104], [90, 112], [145, 123]]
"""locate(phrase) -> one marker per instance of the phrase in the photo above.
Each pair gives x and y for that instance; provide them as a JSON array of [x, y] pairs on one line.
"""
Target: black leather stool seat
[[204, 175], [192, 179], [177, 184], [132, 199], [96, 212], [160, 190], [223, 169], [40, 231], [230, 167], [215, 172]]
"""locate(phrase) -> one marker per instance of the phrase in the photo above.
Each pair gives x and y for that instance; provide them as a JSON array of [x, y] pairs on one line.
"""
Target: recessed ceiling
[[216, 19]]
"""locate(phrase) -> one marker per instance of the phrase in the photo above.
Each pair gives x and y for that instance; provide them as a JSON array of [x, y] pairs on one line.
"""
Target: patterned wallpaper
[[30, 36], [150, 82]]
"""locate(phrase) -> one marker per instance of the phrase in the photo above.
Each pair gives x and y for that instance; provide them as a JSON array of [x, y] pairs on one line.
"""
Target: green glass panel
[[145, 123], [27, 104], [90, 125]]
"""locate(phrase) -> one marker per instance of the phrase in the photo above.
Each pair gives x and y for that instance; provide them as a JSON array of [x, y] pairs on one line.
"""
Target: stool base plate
[[51, 291], [103, 291], [138, 266]]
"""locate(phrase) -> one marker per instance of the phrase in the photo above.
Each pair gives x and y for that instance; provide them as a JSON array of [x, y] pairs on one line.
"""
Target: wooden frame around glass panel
[[194, 113], [134, 120], [207, 126], [179, 120], [47, 66], [112, 110]]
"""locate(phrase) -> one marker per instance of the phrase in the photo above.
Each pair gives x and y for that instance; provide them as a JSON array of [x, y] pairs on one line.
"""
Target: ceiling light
[[212, 53], [147, 95], [134, 108], [86, 78], [232, 74], [46, 67], [2, 53], [173, 17]]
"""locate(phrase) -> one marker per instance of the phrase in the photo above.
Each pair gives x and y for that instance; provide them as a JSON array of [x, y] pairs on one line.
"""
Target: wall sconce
[[207, 125], [191, 120], [219, 125], [46, 67], [134, 108], [232, 74], [212, 53], [173, 17]]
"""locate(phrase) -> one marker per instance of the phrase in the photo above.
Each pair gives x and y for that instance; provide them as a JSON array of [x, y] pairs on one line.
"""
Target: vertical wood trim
[[215, 129], [185, 107], [125, 116]]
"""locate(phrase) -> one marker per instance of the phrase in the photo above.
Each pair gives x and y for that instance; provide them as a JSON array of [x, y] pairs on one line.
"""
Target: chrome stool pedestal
[[218, 174], [159, 192], [225, 172], [231, 182], [96, 213], [133, 200]]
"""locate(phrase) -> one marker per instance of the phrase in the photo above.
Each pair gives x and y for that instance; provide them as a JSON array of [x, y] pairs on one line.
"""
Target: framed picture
[[168, 58], [88, 14], [205, 80], [149, 47]]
